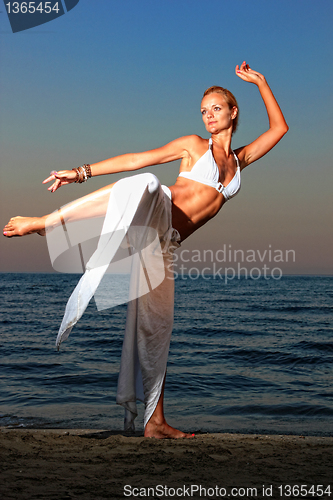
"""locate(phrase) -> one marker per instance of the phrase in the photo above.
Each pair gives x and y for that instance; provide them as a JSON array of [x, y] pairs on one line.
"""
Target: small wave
[[295, 410], [257, 357], [318, 346]]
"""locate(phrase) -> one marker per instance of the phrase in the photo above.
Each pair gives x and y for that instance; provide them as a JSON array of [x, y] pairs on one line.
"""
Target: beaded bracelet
[[87, 168], [83, 173]]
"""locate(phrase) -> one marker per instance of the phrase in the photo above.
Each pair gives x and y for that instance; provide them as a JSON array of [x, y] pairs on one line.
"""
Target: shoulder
[[194, 142], [196, 139], [195, 147], [178, 149], [186, 145], [191, 140]]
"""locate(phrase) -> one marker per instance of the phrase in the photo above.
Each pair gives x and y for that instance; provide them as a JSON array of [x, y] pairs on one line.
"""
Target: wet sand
[[71, 464]]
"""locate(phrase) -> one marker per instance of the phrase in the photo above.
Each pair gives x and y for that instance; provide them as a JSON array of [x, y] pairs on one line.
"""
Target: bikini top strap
[[210, 143], [236, 158]]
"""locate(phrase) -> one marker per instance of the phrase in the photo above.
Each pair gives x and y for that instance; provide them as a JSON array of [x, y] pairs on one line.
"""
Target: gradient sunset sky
[[111, 77]]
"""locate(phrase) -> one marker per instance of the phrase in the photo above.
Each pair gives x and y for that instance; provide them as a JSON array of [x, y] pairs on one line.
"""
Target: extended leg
[[89, 206]]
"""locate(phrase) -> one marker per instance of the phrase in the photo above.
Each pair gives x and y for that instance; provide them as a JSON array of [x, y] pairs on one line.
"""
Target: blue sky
[[111, 77]]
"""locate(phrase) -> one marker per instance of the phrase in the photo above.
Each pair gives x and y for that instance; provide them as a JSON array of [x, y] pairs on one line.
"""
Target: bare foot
[[20, 226], [164, 431]]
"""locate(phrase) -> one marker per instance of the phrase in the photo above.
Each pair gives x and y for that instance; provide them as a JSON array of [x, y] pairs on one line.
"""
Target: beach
[[67, 464]]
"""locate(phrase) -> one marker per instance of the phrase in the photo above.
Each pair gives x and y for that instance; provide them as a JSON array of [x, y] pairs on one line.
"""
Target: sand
[[72, 464]]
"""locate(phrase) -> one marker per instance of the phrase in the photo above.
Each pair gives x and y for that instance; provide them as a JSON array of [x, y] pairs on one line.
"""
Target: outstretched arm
[[277, 124], [133, 161]]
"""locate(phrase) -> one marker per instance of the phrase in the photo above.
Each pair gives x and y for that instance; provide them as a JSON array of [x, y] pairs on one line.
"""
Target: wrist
[[262, 83], [83, 173]]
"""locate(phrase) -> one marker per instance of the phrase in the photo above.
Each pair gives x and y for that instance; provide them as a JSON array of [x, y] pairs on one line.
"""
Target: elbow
[[283, 129]]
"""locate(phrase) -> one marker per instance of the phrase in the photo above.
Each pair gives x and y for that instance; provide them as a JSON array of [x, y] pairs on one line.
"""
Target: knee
[[141, 181], [153, 183]]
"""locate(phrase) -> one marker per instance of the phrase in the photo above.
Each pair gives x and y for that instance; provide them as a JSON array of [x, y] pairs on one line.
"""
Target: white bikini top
[[206, 171]]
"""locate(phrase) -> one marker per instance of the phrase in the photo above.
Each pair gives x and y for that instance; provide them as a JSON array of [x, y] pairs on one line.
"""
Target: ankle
[[40, 223], [156, 420]]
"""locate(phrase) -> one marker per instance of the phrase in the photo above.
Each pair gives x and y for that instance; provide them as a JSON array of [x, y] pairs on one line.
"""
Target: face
[[216, 114]]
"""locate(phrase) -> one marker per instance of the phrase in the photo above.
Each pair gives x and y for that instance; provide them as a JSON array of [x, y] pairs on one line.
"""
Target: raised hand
[[277, 124], [249, 75], [60, 178]]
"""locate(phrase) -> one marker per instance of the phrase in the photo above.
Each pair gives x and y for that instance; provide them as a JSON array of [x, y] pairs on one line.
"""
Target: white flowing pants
[[139, 216]]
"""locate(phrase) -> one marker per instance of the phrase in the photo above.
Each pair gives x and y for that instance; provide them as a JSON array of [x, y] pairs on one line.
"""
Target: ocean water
[[246, 356]]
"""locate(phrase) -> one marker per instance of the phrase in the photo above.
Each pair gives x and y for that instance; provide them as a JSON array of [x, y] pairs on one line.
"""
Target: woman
[[209, 176]]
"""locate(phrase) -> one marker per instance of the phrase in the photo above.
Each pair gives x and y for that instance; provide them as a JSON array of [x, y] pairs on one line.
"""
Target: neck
[[222, 140]]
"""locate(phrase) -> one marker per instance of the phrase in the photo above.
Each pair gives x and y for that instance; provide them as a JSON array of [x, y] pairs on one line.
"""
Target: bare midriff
[[193, 204]]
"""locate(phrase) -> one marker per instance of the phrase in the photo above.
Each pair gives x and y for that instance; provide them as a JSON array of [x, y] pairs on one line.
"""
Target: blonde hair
[[229, 98]]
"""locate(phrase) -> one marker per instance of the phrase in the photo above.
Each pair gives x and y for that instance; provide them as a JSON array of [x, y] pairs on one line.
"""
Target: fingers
[[50, 178], [249, 75], [53, 175], [60, 179], [241, 70], [54, 186], [243, 67]]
